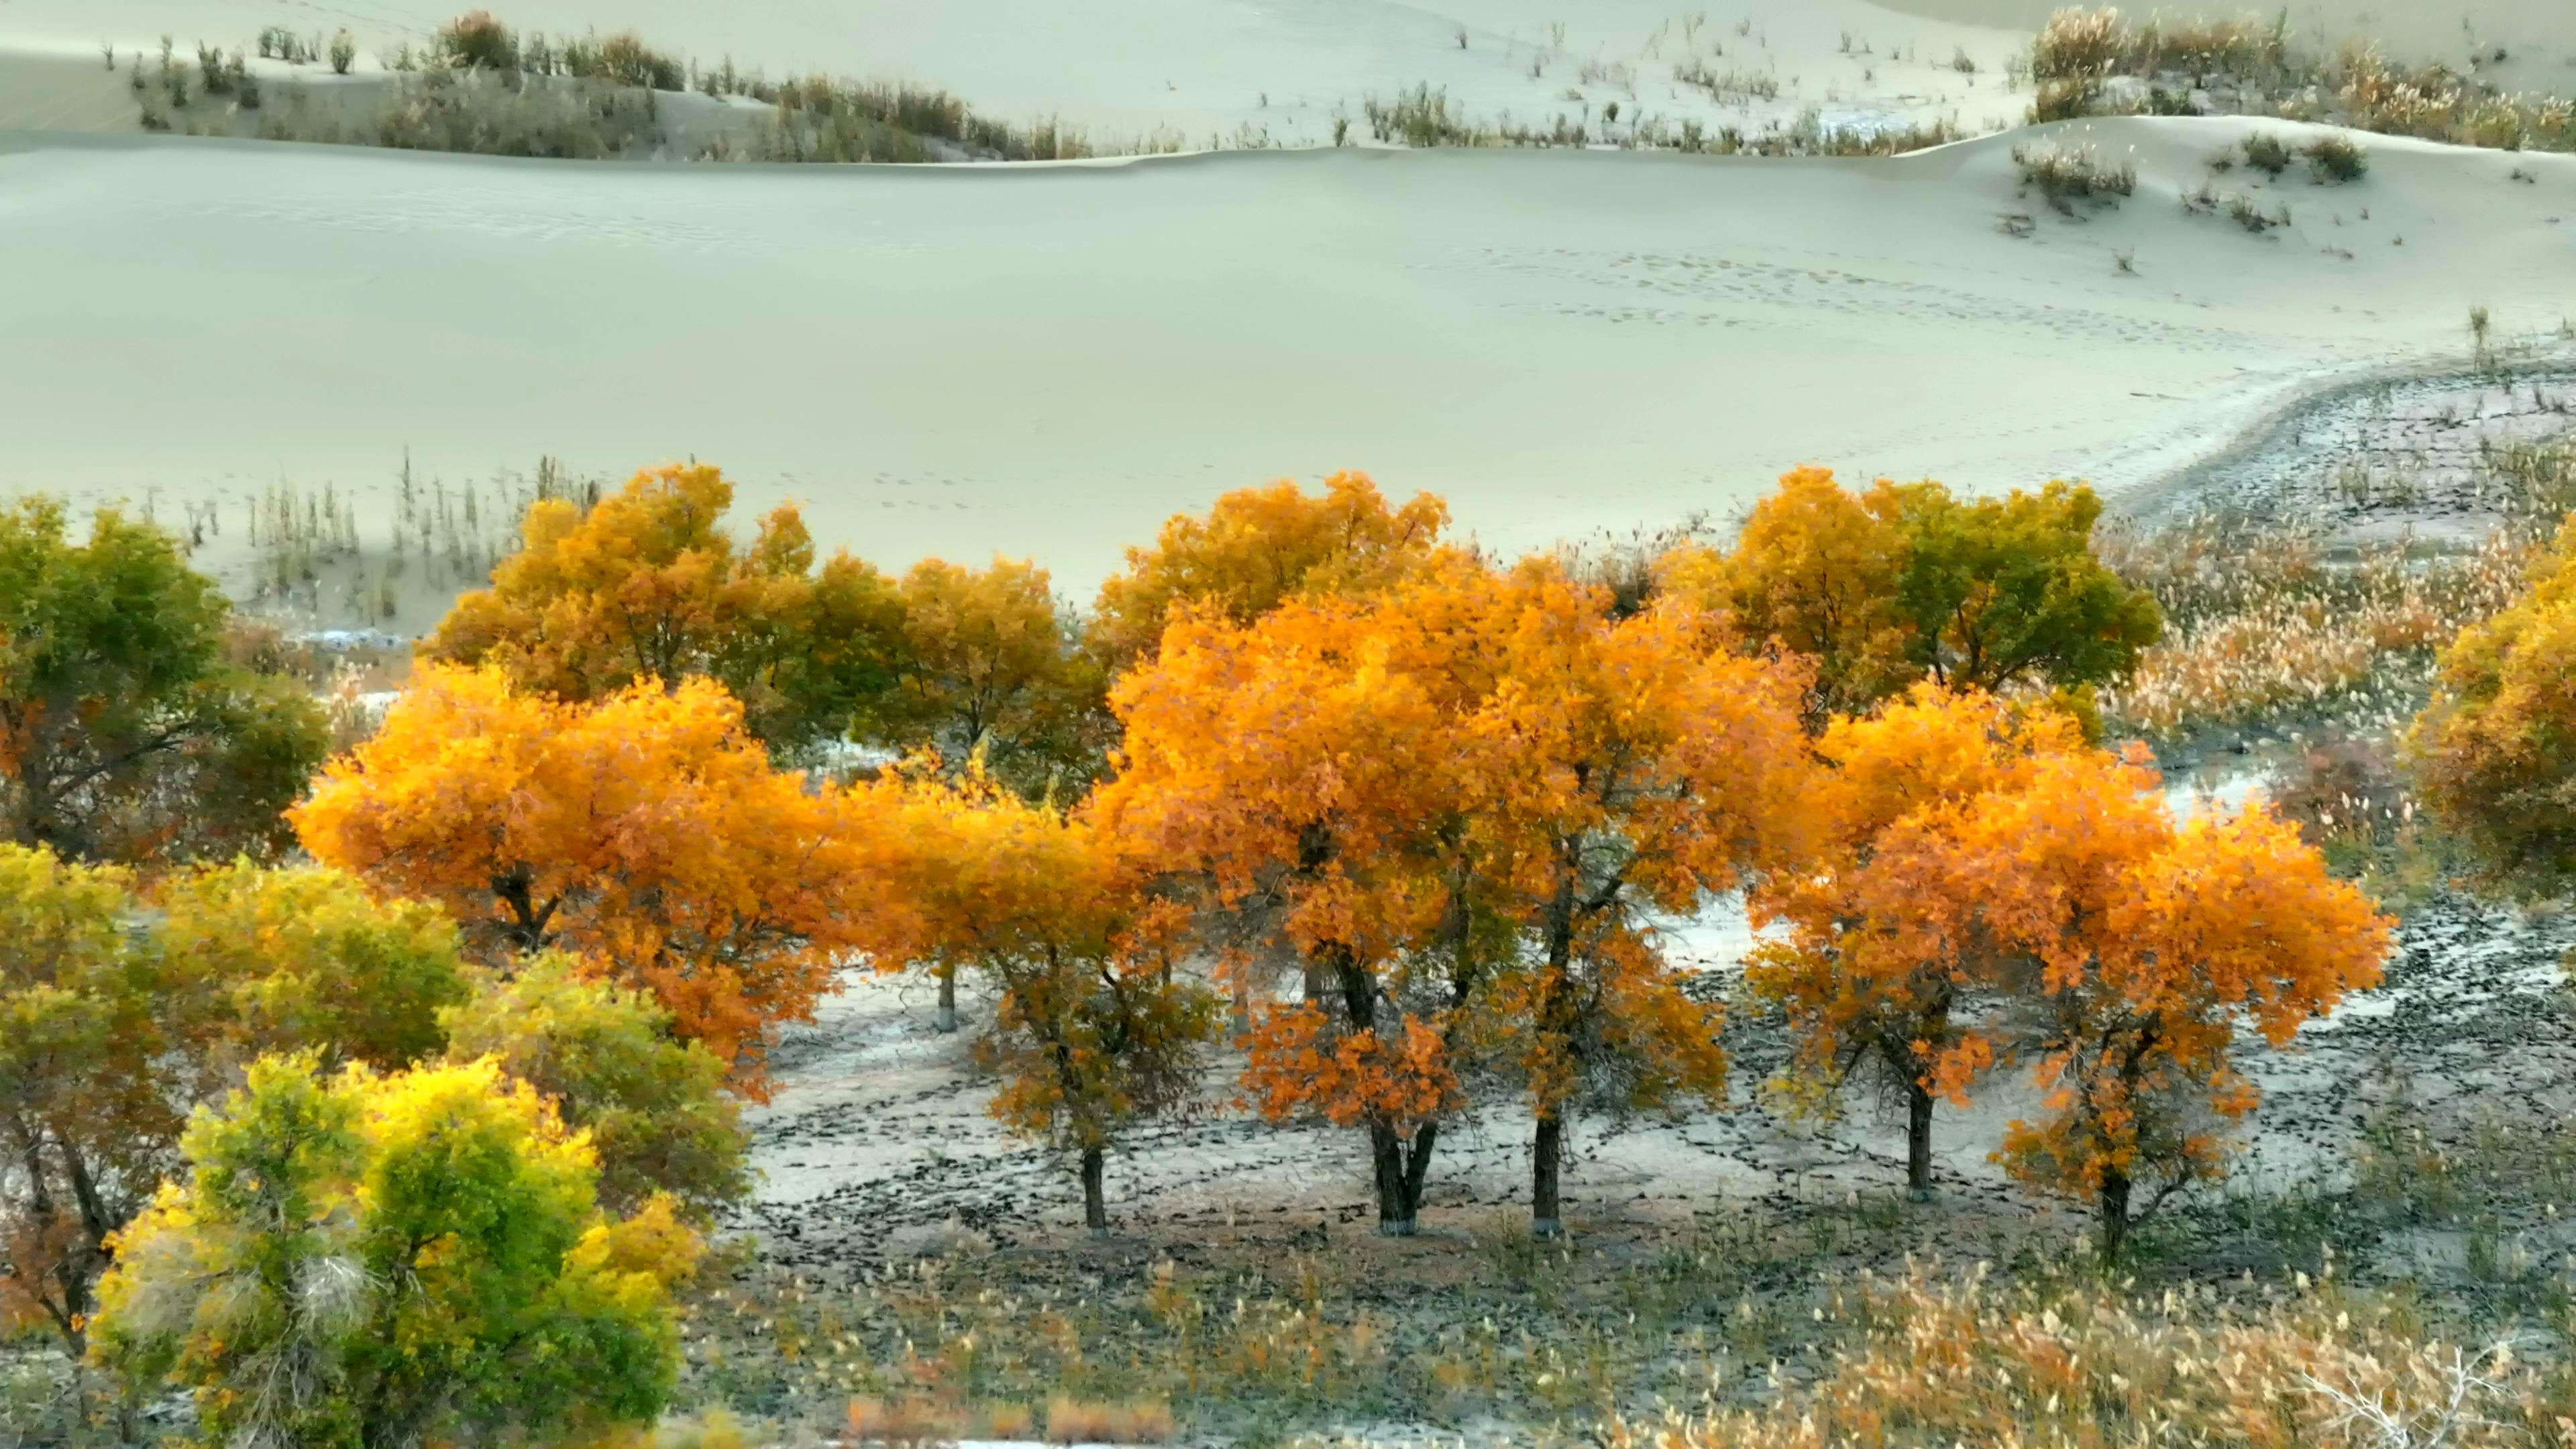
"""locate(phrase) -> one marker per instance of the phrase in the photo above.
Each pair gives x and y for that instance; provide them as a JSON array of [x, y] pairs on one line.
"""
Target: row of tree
[[1397, 818]]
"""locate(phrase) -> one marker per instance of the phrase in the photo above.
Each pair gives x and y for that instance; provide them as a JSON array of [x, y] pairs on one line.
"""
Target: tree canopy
[[646, 831], [1900, 582], [649, 584], [126, 731]]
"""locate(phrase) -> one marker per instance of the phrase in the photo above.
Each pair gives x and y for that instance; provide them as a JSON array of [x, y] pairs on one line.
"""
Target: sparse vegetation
[[2336, 159], [2067, 174], [2267, 153]]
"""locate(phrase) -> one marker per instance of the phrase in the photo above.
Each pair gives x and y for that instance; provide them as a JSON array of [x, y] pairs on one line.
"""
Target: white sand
[[1048, 361]]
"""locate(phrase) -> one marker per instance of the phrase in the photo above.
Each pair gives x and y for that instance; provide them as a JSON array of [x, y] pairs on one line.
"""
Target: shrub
[[477, 40], [2076, 45], [2337, 159], [344, 52], [366, 1259], [2267, 153], [625, 59], [2072, 172]]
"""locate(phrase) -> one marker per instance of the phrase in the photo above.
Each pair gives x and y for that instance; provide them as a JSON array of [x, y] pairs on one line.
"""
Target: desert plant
[[476, 40], [2336, 159], [2070, 173], [344, 52], [2267, 153]]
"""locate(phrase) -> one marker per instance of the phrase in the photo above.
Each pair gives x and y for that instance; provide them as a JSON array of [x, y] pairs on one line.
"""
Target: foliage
[[654, 1107], [2136, 946], [476, 40], [125, 731], [371, 1259], [648, 584], [647, 831], [2495, 751], [989, 670], [1096, 1028], [1300, 773], [1257, 548], [1901, 582], [1610, 768], [1881, 952], [119, 1012]]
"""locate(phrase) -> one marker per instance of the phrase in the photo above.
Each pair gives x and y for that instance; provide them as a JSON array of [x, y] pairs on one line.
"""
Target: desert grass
[[2263, 623], [1426, 116], [2068, 174], [2253, 65]]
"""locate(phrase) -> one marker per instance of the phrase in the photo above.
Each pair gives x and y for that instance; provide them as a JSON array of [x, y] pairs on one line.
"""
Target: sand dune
[[1203, 67], [1048, 360]]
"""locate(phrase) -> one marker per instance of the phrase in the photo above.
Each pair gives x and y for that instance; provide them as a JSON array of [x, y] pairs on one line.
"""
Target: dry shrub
[[477, 40], [624, 59], [1936, 1363], [906, 1423], [2259, 623], [1073, 1421], [2064, 173], [2267, 153], [2077, 44], [485, 115], [2336, 159]]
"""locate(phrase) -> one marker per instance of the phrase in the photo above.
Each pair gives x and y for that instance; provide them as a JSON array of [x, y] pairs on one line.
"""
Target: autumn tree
[[1257, 548], [2136, 947], [123, 1010], [1878, 946], [1613, 769], [990, 672], [605, 1056], [367, 1259], [2495, 751], [127, 732], [1301, 772], [650, 584], [1095, 1028], [647, 832], [1901, 582]]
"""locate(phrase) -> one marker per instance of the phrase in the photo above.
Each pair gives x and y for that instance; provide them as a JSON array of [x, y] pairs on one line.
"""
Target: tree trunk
[[1918, 1141], [2115, 1215], [947, 1018], [1547, 1146], [1095, 1204], [1398, 1165]]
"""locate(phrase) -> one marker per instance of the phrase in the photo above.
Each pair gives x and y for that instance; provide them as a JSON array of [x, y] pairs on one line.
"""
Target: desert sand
[[1047, 361]]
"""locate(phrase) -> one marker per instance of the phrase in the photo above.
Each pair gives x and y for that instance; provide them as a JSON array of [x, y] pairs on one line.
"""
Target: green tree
[[649, 584], [656, 1107], [125, 732], [2495, 751], [1901, 582], [368, 1260], [119, 1011]]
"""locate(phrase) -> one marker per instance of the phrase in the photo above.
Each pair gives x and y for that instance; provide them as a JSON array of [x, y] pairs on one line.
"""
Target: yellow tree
[[1881, 947], [2496, 748], [990, 669], [1095, 1029], [647, 832], [1256, 549], [2138, 946], [1614, 768], [1302, 771], [121, 1010], [649, 584]]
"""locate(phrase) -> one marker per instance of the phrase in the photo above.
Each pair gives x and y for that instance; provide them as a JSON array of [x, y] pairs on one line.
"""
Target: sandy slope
[[1047, 361], [1200, 66]]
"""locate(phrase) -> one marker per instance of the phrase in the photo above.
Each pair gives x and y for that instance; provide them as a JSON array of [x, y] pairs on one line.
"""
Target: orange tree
[[1303, 771], [1880, 946], [2496, 749], [1903, 582], [1612, 768], [1094, 1029], [1258, 548], [2137, 946], [647, 832], [649, 584]]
